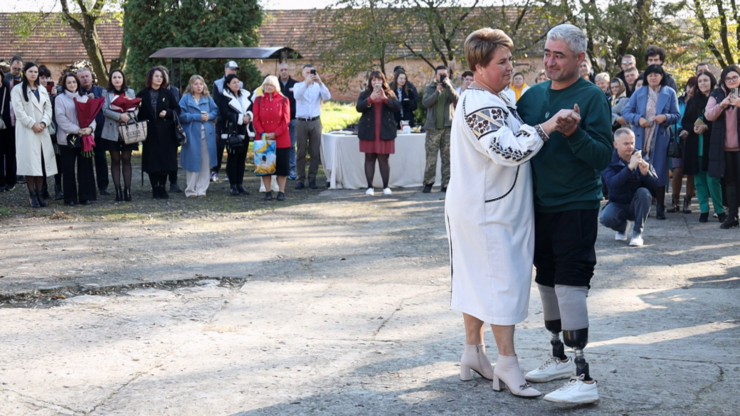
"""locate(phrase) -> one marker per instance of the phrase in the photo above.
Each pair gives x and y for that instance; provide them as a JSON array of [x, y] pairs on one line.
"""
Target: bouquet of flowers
[[86, 112], [123, 104]]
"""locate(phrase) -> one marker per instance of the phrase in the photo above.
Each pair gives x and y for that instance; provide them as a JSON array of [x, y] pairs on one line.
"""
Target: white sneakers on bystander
[[623, 236], [370, 191], [636, 240], [387, 191]]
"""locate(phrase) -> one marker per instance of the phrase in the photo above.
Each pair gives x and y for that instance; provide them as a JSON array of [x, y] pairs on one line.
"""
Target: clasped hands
[[636, 161], [269, 136], [659, 119], [565, 121]]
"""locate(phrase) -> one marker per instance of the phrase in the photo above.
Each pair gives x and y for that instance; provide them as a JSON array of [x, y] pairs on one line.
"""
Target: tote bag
[[264, 157]]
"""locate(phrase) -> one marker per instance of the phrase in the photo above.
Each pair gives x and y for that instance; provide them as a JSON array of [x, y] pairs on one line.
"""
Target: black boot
[[58, 194], [674, 205], [34, 199], [155, 192], [163, 193], [660, 203], [45, 191], [127, 194], [687, 205], [119, 194], [660, 211], [40, 197]]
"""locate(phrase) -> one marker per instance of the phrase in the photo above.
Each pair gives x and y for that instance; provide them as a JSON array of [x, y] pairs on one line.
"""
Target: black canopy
[[227, 53]]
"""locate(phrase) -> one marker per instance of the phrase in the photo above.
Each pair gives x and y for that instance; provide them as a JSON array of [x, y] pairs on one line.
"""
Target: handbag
[[674, 148], [233, 140], [265, 160], [134, 131], [182, 139], [74, 141], [2, 110]]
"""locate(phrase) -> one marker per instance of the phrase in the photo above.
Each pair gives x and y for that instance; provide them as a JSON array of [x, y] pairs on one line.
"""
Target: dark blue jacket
[[98, 92], [623, 183]]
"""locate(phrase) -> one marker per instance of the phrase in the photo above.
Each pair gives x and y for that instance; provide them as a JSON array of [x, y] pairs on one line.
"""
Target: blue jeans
[[292, 146], [615, 216]]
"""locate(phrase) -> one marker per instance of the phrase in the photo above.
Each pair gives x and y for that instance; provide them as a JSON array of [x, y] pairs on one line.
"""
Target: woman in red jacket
[[271, 119]]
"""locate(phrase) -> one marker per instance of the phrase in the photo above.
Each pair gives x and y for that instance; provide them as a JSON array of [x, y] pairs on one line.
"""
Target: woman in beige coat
[[32, 108]]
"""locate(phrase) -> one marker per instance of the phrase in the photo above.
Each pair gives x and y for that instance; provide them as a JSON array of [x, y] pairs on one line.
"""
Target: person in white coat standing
[[490, 211], [34, 150]]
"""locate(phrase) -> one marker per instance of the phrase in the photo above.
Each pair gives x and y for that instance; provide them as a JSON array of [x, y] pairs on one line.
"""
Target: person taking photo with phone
[[440, 98], [724, 149], [308, 95]]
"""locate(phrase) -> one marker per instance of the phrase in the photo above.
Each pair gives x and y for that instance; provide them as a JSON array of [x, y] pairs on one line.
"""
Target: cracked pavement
[[341, 308]]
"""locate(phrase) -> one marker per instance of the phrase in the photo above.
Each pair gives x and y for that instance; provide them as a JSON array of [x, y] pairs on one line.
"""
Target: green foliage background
[[150, 25]]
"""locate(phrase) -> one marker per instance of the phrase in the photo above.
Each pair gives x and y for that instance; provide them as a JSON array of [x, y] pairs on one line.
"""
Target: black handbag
[[182, 139], [74, 141], [674, 148], [233, 139]]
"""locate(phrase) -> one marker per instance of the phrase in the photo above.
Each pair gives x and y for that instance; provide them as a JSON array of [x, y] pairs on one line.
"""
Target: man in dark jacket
[[88, 87], [630, 180], [286, 87], [655, 55]]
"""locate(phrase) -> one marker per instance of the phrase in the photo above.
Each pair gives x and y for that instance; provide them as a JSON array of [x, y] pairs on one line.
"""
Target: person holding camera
[[308, 95], [440, 98], [377, 128], [724, 149], [235, 109], [630, 180]]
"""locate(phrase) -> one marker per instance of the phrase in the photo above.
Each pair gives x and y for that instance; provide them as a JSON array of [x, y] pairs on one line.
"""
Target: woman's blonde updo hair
[[481, 44]]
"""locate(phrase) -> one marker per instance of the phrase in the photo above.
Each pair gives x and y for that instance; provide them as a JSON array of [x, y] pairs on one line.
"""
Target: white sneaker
[[370, 191], [387, 191], [575, 391], [636, 240], [623, 236], [552, 369]]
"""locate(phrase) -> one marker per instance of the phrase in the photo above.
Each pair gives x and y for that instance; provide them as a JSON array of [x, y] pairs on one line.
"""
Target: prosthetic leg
[[558, 365], [581, 388]]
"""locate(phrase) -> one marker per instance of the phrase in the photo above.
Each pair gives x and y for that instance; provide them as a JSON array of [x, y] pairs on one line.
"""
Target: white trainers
[[575, 391], [552, 369], [636, 240], [623, 236], [387, 191], [370, 191]]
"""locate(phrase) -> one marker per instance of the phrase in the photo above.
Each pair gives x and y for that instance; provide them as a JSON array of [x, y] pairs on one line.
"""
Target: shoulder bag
[[182, 139], [2, 109], [134, 131], [674, 148], [233, 140]]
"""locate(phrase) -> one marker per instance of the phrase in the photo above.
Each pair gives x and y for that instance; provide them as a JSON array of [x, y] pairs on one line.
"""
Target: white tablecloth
[[344, 164]]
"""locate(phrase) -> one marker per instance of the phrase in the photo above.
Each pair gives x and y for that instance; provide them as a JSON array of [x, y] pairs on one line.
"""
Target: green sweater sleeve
[[592, 140]]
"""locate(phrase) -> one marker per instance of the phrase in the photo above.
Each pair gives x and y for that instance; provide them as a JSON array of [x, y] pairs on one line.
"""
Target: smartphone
[[49, 86], [636, 151], [442, 78], [377, 87], [313, 72], [733, 92]]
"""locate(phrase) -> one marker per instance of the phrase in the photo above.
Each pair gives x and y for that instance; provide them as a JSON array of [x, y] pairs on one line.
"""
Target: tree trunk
[[89, 36]]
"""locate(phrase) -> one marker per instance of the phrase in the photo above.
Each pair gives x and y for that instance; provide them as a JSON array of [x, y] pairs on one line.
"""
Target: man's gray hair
[[572, 35], [85, 69]]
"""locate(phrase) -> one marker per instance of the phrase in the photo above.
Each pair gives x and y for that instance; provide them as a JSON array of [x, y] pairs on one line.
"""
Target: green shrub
[[336, 116]]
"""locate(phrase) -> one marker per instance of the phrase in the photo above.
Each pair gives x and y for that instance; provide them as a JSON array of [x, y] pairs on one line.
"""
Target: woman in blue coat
[[652, 110], [198, 155]]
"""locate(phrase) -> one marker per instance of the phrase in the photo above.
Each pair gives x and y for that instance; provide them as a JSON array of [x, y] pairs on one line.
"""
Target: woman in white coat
[[34, 150], [489, 211]]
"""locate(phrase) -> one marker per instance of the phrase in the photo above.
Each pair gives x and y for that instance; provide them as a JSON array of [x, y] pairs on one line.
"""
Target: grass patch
[[336, 116]]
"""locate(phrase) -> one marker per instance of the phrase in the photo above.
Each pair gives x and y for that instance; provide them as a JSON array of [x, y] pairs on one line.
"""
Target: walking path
[[338, 306]]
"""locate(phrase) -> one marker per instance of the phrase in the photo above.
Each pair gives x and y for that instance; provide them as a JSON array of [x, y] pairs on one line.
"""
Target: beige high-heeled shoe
[[507, 373], [474, 359]]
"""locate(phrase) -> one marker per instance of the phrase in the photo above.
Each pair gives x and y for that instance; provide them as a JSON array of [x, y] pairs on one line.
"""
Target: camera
[[313, 72]]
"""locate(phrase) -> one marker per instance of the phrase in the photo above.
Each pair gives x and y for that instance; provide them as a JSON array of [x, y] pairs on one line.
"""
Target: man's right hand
[[635, 159], [440, 87]]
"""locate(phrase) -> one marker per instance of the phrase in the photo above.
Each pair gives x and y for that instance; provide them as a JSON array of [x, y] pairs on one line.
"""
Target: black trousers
[[564, 252], [101, 164], [732, 182], [78, 184], [158, 178], [7, 157], [220, 146], [235, 165]]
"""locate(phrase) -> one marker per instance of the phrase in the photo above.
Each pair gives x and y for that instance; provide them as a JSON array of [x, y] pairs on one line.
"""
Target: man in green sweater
[[567, 185]]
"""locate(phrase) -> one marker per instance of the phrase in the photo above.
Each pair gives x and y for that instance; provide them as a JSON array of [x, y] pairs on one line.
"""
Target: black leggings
[[385, 168], [116, 157], [732, 182]]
